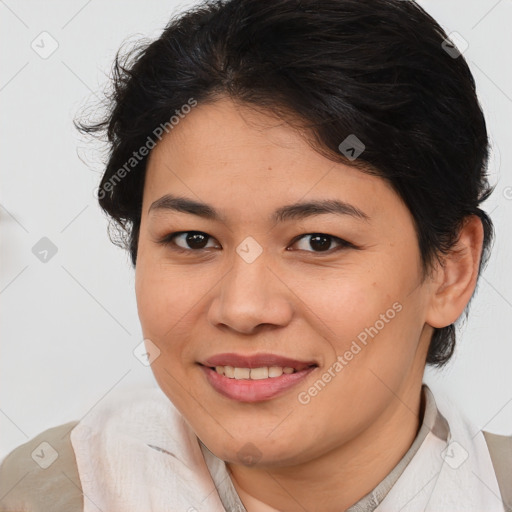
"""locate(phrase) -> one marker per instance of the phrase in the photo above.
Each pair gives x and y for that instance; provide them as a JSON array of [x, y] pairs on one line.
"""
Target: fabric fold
[[136, 452]]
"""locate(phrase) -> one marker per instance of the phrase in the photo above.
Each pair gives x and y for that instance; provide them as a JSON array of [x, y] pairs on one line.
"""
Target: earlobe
[[455, 279]]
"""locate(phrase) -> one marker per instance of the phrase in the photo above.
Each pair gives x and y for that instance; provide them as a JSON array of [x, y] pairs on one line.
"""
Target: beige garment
[[500, 448], [27, 486]]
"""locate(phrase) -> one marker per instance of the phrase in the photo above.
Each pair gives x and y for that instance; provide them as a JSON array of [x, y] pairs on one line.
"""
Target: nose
[[251, 297]]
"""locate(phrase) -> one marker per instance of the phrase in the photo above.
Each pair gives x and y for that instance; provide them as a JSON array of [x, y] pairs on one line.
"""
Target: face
[[332, 294]]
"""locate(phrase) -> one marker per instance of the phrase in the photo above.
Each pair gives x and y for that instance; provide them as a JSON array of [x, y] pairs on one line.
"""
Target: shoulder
[[500, 450], [42, 474]]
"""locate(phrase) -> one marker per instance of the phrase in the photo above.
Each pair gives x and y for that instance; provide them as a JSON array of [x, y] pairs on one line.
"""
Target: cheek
[[164, 296], [169, 300], [151, 300], [374, 316], [349, 302]]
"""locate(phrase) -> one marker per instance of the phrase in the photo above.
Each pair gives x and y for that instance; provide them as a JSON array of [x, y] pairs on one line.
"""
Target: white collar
[[136, 452]]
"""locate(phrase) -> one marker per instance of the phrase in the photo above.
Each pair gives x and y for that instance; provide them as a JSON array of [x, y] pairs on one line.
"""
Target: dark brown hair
[[378, 69]]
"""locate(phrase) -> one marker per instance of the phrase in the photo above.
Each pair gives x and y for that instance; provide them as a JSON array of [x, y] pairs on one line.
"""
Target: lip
[[256, 361], [247, 390]]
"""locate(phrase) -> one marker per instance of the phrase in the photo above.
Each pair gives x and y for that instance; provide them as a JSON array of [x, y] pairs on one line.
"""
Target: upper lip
[[256, 361]]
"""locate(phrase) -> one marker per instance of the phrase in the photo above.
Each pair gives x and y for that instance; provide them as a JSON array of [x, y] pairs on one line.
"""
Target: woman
[[299, 183]]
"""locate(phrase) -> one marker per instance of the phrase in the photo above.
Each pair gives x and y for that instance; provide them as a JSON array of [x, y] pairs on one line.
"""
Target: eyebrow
[[295, 211]]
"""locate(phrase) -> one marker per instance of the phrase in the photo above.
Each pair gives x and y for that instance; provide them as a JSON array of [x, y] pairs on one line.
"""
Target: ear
[[454, 279]]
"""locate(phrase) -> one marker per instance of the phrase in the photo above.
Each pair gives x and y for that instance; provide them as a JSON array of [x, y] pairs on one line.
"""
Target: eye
[[186, 240], [196, 241], [321, 242]]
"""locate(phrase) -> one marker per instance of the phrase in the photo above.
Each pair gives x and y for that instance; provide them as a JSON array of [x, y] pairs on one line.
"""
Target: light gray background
[[69, 326]]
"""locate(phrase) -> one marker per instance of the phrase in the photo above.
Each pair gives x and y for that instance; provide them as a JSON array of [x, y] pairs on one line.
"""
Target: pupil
[[196, 240], [323, 246]]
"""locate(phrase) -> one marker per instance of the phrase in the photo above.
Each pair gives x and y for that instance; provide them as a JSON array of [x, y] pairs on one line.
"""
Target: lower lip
[[247, 390]]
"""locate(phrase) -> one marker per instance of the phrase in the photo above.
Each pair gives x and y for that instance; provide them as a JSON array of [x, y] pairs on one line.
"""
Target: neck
[[338, 479]]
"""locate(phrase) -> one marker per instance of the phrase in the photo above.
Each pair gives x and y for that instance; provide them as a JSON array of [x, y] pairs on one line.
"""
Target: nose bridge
[[250, 277], [249, 294]]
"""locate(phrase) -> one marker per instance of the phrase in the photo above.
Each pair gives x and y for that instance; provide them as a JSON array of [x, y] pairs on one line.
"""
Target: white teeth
[[259, 373], [264, 372], [242, 373], [275, 371]]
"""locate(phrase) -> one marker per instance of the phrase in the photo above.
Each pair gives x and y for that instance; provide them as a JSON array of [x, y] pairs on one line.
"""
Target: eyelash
[[168, 241]]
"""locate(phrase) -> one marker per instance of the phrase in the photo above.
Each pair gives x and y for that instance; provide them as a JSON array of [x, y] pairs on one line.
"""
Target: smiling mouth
[[256, 384], [254, 377], [263, 372]]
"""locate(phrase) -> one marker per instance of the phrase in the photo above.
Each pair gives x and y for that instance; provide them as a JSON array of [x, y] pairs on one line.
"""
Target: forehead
[[225, 135], [241, 158], [232, 135]]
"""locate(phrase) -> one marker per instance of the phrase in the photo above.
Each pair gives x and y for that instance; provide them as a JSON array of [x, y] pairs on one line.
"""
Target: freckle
[[270, 168]]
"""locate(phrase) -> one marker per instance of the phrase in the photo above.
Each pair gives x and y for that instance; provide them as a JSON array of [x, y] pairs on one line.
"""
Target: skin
[[293, 300]]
